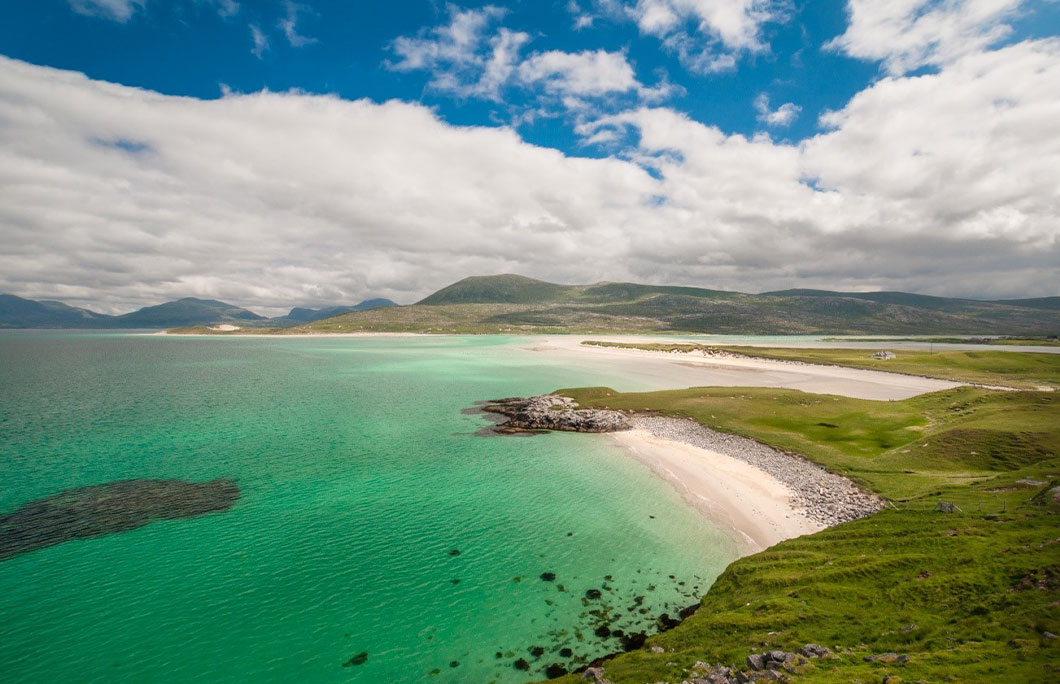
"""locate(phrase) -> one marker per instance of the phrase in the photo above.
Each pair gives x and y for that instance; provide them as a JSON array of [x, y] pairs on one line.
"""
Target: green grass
[[1025, 370], [981, 586], [1014, 341]]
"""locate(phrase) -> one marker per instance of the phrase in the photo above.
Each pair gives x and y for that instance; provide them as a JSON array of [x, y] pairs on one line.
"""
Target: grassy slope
[[981, 586], [1010, 369]]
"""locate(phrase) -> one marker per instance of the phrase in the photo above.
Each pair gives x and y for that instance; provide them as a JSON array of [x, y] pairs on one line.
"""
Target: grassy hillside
[[969, 596], [1024, 370], [514, 304]]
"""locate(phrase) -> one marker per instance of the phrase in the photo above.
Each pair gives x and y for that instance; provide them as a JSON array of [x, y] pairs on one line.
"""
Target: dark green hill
[[900, 298], [1038, 303], [516, 304], [499, 289]]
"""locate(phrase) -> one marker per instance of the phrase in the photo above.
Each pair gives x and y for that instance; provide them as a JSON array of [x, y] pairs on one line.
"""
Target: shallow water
[[358, 475]]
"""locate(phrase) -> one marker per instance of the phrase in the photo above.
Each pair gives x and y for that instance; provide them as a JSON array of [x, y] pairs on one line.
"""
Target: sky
[[273, 153]]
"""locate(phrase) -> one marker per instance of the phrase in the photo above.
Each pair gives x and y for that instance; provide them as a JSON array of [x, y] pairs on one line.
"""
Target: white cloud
[[469, 57], [584, 73], [123, 10], [582, 19], [462, 57], [259, 41], [117, 10], [708, 36], [118, 197], [783, 115], [289, 25], [907, 34]]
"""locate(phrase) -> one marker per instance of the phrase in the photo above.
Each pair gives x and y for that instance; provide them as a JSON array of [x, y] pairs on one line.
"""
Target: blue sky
[[684, 99], [199, 47]]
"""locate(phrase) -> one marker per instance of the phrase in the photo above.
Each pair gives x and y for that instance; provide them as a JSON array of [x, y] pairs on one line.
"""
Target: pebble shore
[[822, 496]]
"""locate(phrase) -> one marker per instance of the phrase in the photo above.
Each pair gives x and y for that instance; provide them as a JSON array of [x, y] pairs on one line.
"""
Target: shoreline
[[278, 336], [755, 494], [748, 371]]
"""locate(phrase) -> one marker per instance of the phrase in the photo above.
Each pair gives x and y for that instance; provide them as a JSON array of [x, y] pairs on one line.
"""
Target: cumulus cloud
[[584, 73], [908, 34], [116, 197], [473, 57], [116, 10], [783, 115]]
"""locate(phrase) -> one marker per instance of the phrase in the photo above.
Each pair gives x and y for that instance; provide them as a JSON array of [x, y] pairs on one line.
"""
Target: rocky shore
[[822, 496], [553, 412]]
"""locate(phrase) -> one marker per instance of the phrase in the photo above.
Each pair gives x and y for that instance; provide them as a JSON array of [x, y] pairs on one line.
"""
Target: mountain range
[[516, 304], [17, 312]]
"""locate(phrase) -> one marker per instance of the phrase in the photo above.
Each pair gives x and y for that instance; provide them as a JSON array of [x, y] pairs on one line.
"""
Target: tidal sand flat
[[686, 370]]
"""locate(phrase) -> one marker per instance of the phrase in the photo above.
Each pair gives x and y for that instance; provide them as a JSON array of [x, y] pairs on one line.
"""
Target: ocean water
[[358, 474]]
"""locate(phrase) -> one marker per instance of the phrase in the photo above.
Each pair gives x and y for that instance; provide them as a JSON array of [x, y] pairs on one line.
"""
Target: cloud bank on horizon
[[939, 173]]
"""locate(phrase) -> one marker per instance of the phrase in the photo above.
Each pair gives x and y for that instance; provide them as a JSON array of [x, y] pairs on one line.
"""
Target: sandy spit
[[688, 370]]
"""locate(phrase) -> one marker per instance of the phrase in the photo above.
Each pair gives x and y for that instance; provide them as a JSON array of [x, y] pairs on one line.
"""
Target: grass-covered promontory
[[1025, 370], [969, 596]]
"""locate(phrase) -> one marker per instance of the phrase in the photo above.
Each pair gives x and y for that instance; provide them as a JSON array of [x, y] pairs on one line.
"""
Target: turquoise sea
[[359, 473]]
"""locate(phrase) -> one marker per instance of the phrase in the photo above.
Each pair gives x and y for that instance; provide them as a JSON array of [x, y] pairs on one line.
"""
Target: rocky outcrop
[[771, 666], [553, 412]]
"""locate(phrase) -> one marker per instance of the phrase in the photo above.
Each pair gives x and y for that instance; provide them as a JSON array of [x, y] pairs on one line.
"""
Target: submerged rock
[[555, 670], [358, 659], [98, 510], [553, 412]]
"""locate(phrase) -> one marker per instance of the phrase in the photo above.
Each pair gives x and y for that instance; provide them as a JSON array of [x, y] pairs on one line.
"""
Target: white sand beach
[[756, 509]]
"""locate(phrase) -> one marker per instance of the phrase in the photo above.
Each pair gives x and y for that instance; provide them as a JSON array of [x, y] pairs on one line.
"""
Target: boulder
[[815, 651]]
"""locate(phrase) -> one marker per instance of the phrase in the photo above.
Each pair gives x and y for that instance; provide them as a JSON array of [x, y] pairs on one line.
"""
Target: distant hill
[[516, 304], [303, 315], [187, 311], [18, 312]]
